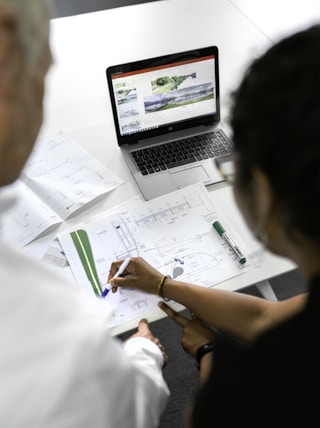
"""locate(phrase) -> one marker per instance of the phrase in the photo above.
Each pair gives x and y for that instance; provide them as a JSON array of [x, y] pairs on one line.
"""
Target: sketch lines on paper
[[173, 233]]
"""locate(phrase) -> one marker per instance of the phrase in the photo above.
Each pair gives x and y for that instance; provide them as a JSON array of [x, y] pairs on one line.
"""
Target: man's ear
[[8, 35]]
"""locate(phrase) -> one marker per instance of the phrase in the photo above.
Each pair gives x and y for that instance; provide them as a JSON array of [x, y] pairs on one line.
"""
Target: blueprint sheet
[[173, 232], [58, 179]]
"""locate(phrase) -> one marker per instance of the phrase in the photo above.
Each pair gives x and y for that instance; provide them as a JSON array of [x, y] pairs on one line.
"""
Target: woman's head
[[276, 131]]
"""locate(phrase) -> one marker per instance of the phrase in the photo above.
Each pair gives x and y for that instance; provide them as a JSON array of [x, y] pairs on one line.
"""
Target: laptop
[[166, 113]]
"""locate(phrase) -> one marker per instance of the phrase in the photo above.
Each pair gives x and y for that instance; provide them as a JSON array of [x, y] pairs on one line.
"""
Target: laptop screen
[[159, 95]]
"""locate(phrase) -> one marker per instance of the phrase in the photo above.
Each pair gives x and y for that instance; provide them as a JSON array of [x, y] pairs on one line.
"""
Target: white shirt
[[59, 365]]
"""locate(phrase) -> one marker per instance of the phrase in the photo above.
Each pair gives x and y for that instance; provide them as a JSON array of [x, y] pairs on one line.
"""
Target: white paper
[[28, 217], [58, 179], [173, 232], [65, 176], [51, 253]]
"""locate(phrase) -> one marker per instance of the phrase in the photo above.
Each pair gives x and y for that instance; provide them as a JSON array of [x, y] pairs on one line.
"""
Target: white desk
[[77, 99], [278, 19], [84, 45]]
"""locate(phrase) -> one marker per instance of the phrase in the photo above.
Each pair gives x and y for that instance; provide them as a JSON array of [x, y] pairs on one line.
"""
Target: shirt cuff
[[141, 344]]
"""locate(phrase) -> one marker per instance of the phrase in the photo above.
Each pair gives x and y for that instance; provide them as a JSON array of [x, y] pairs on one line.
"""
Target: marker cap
[[218, 226]]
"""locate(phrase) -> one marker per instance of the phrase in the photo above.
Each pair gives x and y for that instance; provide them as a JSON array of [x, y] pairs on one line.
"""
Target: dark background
[[74, 7]]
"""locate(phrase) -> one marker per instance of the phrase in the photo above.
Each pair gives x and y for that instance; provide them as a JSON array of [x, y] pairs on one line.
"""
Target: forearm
[[205, 367], [238, 314], [151, 390]]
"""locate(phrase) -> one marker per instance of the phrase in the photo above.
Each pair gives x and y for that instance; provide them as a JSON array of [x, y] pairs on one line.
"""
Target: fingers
[[117, 273], [143, 326], [173, 315], [137, 274], [144, 331], [114, 269]]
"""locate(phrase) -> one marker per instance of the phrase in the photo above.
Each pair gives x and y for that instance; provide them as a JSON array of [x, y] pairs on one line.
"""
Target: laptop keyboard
[[182, 152]]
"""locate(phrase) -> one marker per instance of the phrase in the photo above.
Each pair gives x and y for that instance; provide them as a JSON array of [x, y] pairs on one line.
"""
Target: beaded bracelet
[[159, 291]]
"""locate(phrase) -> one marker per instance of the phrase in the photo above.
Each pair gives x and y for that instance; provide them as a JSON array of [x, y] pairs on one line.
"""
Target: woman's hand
[[195, 333], [138, 274]]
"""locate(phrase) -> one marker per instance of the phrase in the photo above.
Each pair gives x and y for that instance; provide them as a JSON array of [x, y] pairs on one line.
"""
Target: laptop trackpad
[[189, 176]]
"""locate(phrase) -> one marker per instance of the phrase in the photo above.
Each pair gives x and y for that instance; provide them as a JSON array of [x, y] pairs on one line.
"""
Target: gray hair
[[33, 26]]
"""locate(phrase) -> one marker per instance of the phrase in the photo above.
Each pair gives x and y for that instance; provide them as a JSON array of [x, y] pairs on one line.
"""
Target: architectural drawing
[[174, 233]]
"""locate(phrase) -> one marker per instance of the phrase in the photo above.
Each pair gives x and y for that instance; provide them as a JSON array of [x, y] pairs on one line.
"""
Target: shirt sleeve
[[62, 364], [151, 392]]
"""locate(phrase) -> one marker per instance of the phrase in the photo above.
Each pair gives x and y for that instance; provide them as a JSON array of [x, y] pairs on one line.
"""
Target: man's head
[[24, 61]]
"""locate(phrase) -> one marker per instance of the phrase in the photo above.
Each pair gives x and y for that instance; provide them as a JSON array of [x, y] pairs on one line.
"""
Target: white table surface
[[85, 45], [77, 102], [278, 19]]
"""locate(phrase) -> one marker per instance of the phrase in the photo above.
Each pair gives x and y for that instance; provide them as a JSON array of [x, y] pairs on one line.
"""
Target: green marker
[[226, 237]]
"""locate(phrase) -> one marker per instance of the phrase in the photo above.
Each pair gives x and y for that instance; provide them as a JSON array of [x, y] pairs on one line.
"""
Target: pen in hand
[[226, 237], [119, 272]]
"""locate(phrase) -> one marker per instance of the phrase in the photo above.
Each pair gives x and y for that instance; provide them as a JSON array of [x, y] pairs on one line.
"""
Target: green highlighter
[[226, 237]]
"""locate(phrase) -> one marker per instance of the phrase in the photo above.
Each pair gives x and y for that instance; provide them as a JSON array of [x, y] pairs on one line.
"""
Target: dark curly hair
[[275, 120]]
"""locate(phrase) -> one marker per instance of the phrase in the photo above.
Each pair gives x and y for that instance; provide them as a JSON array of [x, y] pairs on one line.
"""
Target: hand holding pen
[[139, 274], [118, 273]]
